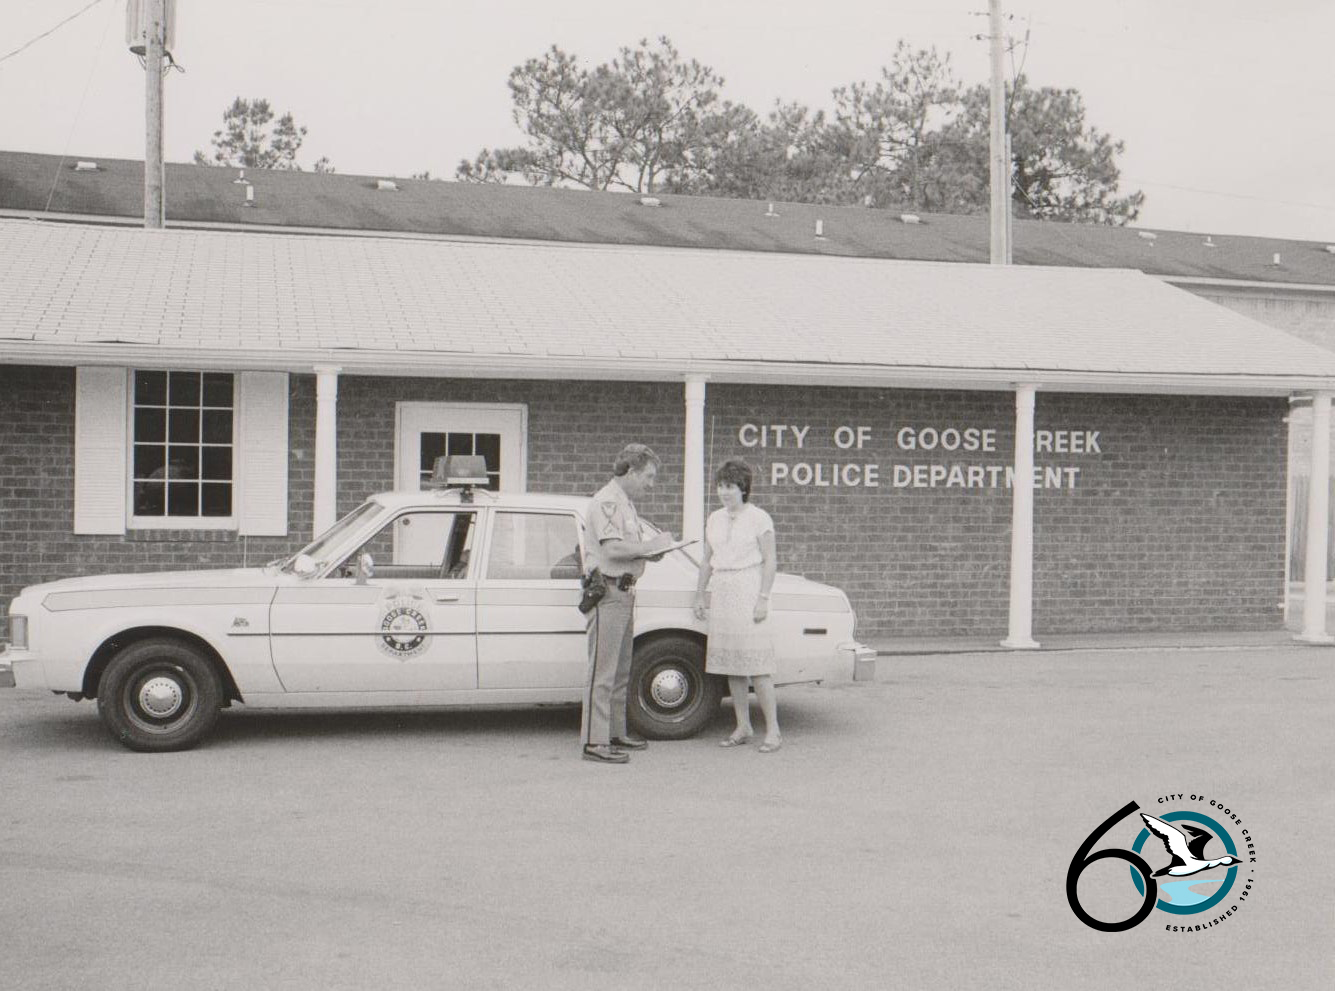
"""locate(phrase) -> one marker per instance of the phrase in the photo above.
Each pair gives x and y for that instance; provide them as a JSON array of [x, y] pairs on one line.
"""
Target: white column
[[1318, 525], [326, 448], [693, 473], [1021, 626]]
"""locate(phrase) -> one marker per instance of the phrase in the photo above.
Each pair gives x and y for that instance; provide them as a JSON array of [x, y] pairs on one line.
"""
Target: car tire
[[670, 696], [159, 695]]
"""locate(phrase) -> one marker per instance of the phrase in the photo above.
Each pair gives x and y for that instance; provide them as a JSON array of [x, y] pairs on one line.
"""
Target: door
[[427, 431], [409, 627], [530, 633]]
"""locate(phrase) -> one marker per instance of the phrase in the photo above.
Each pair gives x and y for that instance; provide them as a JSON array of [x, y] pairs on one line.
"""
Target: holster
[[595, 587]]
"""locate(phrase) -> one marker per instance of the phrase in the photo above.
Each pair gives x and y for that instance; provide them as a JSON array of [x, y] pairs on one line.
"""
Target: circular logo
[[1187, 895], [403, 629]]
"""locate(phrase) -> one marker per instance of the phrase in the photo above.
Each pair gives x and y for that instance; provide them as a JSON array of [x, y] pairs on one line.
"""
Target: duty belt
[[623, 582]]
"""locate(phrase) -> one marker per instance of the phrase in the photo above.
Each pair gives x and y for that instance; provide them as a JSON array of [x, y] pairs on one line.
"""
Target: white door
[[427, 431], [530, 635]]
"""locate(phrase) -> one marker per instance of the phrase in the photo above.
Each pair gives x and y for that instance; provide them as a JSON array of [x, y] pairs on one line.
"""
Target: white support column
[[1020, 635], [693, 473], [1318, 526], [326, 448]]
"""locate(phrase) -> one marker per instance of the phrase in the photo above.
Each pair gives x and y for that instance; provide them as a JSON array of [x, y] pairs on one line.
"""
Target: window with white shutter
[[100, 403]]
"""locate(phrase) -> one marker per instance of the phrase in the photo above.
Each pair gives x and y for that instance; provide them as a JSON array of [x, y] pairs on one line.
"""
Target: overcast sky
[[1225, 106]]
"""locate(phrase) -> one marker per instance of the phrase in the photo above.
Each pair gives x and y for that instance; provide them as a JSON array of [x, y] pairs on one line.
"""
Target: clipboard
[[678, 545]]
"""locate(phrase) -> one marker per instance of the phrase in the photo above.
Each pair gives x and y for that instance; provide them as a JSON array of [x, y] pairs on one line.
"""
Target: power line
[[33, 41], [1234, 196]]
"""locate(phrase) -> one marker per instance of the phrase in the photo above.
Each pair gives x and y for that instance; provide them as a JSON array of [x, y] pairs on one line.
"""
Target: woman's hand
[[761, 610], [699, 608]]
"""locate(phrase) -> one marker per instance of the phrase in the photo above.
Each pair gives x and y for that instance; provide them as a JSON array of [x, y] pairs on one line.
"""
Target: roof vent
[[771, 211], [820, 230], [869, 200], [1147, 235], [387, 185], [250, 195], [910, 218], [241, 179], [85, 167], [1274, 260], [650, 201], [1331, 248], [1209, 242]]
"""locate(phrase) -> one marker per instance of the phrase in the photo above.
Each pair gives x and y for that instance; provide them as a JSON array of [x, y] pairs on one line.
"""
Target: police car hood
[[222, 578]]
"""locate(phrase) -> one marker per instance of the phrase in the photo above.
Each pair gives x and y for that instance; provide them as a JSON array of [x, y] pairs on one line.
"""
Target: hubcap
[[669, 688], [160, 697]]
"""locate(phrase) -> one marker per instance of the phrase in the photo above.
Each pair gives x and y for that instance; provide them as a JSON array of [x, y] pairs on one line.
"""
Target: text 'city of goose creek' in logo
[[404, 627], [1192, 859]]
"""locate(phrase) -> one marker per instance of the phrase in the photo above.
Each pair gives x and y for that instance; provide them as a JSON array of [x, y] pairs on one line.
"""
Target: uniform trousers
[[610, 633]]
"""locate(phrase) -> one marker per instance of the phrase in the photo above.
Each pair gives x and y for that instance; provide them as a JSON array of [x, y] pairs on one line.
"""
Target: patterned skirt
[[737, 645]]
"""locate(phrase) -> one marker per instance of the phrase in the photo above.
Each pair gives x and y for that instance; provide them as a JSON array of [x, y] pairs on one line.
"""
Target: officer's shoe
[[629, 743], [604, 754]]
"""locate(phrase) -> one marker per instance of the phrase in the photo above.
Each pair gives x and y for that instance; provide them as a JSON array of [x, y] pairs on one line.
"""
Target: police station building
[[965, 449]]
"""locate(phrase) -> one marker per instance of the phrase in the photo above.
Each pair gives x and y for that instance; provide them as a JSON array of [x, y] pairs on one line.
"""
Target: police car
[[451, 596]]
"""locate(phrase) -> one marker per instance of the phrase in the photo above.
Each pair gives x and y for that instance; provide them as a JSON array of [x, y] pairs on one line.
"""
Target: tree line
[[651, 120]]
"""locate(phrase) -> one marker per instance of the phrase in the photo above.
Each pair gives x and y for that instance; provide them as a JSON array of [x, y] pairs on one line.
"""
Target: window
[[182, 431], [420, 546], [436, 445], [534, 545]]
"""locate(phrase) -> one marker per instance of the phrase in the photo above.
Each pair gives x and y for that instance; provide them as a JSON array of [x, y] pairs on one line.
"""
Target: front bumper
[[862, 660]]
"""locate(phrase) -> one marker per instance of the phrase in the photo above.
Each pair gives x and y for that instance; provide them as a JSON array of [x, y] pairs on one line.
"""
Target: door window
[[534, 545], [423, 546]]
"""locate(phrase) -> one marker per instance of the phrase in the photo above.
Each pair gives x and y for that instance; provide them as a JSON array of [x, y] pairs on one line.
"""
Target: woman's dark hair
[[735, 472]]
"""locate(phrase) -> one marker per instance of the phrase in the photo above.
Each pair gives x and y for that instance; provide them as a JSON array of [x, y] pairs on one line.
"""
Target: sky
[[1225, 106]]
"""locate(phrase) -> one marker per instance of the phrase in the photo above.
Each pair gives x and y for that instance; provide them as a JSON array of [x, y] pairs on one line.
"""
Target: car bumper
[[19, 669], [862, 659]]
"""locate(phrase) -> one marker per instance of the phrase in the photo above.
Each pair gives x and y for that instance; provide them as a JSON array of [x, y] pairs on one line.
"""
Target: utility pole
[[154, 207], [999, 163]]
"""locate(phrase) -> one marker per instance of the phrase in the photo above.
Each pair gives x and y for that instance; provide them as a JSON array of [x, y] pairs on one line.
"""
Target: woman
[[739, 557]]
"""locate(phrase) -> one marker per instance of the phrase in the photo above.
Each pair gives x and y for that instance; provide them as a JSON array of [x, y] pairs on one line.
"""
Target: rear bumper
[[862, 659]]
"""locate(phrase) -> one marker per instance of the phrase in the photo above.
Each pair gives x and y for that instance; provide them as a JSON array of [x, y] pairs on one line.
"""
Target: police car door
[[530, 633], [407, 627]]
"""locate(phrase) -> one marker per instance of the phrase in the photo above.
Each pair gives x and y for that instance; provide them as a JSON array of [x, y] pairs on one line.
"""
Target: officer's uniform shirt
[[612, 516]]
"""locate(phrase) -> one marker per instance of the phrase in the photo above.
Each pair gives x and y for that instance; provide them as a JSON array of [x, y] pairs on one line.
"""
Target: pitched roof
[[98, 294], [31, 183]]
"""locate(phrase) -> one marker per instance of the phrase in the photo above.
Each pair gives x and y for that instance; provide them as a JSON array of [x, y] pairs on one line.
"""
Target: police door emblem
[[403, 628]]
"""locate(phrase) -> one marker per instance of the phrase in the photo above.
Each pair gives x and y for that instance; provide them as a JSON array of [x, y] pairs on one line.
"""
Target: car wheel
[[159, 695], [671, 697]]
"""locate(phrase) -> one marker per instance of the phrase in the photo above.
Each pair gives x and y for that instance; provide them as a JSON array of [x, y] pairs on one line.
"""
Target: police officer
[[616, 549]]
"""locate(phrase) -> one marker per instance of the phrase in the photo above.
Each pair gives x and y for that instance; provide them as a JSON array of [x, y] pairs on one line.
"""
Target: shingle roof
[[74, 293], [208, 195]]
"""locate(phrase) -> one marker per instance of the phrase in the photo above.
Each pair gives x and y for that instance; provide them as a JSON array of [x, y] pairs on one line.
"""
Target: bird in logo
[[1188, 854]]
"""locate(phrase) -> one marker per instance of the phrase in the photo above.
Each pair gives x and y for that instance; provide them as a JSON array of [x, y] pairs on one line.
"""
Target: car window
[[422, 545], [534, 545]]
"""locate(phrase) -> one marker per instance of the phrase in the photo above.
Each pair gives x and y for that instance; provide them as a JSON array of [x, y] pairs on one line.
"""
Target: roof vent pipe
[[250, 195], [1209, 242], [1275, 260], [770, 212], [1331, 248], [820, 229], [241, 179], [85, 166]]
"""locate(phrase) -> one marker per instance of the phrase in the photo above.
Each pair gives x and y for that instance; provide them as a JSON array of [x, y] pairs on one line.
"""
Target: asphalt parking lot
[[913, 832]]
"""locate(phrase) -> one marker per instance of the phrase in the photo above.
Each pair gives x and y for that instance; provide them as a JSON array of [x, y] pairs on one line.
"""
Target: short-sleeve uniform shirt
[[611, 516]]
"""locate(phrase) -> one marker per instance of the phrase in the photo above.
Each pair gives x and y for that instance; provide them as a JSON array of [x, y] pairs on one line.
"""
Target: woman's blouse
[[735, 543]]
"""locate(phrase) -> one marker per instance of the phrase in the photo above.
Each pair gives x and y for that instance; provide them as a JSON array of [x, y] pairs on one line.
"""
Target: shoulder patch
[[609, 509]]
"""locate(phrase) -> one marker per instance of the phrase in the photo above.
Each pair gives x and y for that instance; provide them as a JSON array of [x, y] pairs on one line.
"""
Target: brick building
[[211, 395]]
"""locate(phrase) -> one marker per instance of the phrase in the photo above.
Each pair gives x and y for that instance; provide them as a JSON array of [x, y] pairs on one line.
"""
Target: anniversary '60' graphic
[[1184, 862]]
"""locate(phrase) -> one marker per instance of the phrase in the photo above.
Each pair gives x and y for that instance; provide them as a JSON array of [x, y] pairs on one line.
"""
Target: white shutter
[[261, 453], [101, 437]]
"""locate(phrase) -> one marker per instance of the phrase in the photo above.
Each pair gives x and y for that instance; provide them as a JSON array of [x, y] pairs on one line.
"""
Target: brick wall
[[1177, 523]]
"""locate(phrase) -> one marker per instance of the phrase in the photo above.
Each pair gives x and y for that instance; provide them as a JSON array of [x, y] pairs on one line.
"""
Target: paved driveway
[[914, 832]]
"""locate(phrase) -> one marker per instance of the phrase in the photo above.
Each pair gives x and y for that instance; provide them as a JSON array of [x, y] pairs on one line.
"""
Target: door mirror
[[365, 568], [303, 566]]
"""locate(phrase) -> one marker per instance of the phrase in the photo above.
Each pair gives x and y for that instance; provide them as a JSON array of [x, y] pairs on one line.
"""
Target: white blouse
[[734, 544]]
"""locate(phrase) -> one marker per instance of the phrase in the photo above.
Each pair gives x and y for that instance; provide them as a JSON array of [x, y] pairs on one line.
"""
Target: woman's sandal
[[735, 741], [769, 748]]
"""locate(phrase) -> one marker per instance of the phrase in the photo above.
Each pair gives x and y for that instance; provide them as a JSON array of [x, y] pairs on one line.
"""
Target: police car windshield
[[318, 549]]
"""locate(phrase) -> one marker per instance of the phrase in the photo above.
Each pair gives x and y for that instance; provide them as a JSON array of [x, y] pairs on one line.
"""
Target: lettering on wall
[[922, 456]]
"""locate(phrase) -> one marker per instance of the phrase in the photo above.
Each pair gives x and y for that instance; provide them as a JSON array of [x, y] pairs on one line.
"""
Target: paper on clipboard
[[676, 546]]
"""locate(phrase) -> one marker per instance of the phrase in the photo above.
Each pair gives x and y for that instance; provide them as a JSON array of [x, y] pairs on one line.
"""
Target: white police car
[[451, 596]]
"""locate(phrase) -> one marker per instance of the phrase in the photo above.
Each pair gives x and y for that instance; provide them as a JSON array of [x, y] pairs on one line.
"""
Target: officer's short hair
[[735, 472], [634, 457]]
